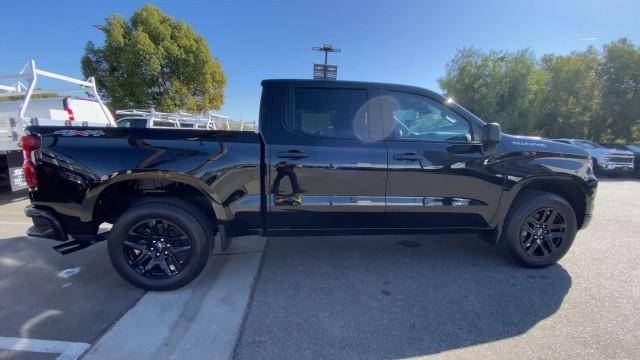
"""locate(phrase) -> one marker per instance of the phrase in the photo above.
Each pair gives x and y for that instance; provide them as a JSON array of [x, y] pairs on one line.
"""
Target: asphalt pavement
[[451, 296]]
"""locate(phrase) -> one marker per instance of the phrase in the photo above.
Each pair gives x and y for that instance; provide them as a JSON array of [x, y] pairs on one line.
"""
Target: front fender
[[548, 171]]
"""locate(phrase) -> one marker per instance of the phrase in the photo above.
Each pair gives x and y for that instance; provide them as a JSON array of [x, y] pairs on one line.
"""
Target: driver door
[[437, 176]]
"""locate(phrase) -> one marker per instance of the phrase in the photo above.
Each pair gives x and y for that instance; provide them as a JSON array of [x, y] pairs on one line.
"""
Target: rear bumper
[[45, 225]]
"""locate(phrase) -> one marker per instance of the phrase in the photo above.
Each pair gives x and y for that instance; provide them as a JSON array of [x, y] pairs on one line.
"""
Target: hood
[[533, 143], [618, 152]]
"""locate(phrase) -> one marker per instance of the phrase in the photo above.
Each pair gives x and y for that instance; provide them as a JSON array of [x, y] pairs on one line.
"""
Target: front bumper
[[626, 167], [45, 224]]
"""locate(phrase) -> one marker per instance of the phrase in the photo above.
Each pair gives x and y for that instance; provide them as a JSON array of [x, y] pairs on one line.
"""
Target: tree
[[571, 104], [154, 61], [620, 76], [499, 87]]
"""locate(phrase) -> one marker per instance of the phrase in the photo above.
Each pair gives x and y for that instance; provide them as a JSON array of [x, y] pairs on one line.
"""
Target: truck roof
[[348, 83]]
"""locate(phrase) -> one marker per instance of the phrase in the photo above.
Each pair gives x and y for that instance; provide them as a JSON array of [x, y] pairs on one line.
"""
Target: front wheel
[[539, 230], [159, 245]]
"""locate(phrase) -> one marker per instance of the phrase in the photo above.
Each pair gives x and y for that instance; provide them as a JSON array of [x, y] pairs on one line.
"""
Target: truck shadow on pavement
[[391, 297]]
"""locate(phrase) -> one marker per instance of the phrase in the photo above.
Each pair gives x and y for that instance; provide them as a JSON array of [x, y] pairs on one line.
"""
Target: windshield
[[587, 144]]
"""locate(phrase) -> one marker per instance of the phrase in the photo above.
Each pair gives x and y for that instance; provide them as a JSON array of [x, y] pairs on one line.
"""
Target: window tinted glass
[[138, 123], [332, 113], [132, 123], [420, 118], [163, 123], [124, 123]]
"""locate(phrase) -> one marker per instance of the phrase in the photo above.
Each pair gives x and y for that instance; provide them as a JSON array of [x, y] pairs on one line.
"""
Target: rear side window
[[163, 123], [330, 113]]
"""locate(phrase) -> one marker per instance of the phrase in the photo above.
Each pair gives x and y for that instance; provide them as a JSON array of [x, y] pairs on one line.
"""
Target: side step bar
[[71, 246], [74, 245]]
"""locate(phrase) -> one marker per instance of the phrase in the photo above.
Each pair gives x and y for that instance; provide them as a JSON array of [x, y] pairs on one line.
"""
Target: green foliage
[[154, 60], [497, 86], [570, 107], [584, 94], [620, 74]]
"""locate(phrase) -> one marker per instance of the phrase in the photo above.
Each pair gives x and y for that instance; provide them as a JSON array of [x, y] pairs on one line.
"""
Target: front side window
[[330, 113], [415, 117]]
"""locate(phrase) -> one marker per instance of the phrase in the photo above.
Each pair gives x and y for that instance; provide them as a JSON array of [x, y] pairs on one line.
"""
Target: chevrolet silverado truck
[[330, 158]]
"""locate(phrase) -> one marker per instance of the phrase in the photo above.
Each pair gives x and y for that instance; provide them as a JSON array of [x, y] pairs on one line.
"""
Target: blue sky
[[396, 41]]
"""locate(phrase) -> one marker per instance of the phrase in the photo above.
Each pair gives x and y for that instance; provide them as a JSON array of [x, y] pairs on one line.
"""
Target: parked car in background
[[604, 159], [634, 148]]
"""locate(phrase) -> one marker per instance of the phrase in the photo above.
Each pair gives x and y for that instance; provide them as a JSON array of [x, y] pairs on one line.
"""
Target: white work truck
[[22, 104]]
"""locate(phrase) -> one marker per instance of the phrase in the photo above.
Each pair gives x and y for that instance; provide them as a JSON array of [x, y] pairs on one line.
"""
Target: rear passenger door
[[327, 162]]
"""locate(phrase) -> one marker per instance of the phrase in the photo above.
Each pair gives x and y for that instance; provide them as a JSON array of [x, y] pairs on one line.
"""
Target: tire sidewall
[[180, 217], [511, 239]]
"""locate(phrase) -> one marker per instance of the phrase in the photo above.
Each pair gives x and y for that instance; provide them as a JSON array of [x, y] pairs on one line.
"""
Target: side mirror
[[491, 136]]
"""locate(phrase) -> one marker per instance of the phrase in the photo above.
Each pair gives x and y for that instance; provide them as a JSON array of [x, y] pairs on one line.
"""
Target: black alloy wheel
[[543, 232], [157, 248], [539, 229], [161, 244]]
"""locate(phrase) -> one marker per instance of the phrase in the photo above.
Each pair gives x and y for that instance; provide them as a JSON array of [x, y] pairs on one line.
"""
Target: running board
[[74, 245], [71, 246]]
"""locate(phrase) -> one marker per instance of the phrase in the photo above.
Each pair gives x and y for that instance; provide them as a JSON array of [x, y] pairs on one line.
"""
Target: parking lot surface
[[451, 296], [383, 297]]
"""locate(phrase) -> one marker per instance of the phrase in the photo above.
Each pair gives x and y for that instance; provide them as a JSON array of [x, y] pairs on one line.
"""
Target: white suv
[[604, 159]]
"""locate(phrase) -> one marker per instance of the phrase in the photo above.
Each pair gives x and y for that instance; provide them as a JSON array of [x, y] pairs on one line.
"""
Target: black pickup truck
[[331, 157]]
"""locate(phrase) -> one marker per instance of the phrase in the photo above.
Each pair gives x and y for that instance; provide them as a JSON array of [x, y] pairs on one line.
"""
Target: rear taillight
[[67, 107], [590, 164], [29, 144]]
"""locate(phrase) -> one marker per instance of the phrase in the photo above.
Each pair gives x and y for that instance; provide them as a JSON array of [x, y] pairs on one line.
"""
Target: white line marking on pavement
[[67, 350], [199, 321]]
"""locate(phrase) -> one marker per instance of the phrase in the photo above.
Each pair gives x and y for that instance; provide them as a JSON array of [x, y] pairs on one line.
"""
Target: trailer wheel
[[160, 245], [539, 229]]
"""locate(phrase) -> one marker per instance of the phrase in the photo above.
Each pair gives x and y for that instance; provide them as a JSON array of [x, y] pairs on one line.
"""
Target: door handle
[[292, 154], [408, 156]]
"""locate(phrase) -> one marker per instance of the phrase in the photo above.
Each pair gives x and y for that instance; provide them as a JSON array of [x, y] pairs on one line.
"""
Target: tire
[[160, 244], [539, 229]]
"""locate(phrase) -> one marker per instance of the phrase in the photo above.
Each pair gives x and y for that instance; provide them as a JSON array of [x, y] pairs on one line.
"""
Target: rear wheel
[[539, 230], [160, 245]]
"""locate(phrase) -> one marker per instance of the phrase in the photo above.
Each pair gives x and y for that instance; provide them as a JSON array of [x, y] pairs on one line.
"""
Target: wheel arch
[[567, 188], [121, 191]]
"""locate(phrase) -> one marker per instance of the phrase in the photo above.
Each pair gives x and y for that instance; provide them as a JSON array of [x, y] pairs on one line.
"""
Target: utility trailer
[[23, 103]]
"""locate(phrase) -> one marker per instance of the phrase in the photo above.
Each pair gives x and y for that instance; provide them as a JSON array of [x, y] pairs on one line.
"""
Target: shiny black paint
[[73, 171], [282, 182]]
